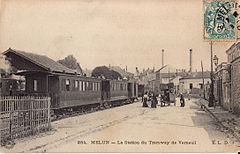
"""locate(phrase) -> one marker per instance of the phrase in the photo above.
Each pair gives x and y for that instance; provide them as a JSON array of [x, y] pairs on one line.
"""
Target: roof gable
[[42, 61]]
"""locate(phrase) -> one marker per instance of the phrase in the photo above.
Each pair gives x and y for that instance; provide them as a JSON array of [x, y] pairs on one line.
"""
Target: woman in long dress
[[145, 99]]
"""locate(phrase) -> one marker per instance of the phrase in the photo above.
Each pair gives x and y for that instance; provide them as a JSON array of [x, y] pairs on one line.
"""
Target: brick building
[[234, 59]]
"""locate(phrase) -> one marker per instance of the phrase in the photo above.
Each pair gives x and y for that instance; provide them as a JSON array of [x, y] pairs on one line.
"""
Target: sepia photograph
[[126, 76]]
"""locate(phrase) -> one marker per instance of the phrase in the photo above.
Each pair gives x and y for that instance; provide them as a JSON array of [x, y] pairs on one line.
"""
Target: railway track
[[56, 143], [72, 113]]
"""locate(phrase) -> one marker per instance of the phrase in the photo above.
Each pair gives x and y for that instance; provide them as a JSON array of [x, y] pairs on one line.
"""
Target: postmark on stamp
[[220, 20]]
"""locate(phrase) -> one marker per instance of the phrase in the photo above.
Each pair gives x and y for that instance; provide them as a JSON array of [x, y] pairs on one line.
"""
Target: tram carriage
[[67, 89], [167, 94]]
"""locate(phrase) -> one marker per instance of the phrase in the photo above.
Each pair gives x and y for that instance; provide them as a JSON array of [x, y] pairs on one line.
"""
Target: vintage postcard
[[119, 76]]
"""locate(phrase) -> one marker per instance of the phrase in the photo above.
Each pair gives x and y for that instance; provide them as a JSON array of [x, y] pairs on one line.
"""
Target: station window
[[35, 85], [68, 85]]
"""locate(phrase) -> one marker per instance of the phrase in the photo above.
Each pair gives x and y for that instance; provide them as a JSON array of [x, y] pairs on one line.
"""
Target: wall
[[222, 86], [234, 58], [184, 85], [42, 82], [235, 91]]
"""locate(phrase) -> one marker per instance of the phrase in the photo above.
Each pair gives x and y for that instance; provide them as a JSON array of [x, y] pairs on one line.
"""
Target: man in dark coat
[[154, 101], [182, 100]]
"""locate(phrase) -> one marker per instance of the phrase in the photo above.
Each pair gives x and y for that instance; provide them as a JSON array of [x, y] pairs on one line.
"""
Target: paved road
[[131, 128]]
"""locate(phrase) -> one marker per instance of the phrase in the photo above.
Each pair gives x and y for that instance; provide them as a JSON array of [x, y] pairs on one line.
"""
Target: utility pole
[[162, 57], [211, 96], [203, 81]]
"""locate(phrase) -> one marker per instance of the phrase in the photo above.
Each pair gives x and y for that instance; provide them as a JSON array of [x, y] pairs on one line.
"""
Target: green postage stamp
[[220, 20]]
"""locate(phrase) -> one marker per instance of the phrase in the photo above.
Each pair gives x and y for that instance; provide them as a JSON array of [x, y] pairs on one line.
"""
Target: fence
[[22, 116]]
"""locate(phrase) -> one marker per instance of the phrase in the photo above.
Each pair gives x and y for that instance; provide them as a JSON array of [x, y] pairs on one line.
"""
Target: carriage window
[[80, 85], [76, 84], [68, 85], [87, 85], [34, 85], [94, 84], [190, 86], [98, 86], [121, 86], [90, 86], [84, 86]]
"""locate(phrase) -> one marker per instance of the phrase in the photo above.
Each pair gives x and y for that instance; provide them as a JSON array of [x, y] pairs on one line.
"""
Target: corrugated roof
[[42, 61]]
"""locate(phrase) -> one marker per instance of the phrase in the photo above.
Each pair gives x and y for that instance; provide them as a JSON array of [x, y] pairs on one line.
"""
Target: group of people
[[152, 97]]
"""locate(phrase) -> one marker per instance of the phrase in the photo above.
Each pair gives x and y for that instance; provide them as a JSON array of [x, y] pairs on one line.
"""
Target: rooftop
[[197, 75], [42, 61]]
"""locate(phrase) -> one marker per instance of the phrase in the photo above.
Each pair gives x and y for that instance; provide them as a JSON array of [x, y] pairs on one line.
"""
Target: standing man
[[182, 100]]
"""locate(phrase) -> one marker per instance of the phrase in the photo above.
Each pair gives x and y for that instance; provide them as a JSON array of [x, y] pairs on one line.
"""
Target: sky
[[103, 32]]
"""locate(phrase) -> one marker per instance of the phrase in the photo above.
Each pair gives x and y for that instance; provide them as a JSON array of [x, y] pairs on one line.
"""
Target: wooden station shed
[[45, 76]]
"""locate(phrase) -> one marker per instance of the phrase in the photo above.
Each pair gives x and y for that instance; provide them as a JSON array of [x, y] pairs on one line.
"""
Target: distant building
[[193, 83], [176, 82], [145, 76]]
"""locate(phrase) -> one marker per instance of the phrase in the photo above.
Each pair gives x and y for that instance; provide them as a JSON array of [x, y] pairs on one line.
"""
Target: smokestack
[[190, 60], [126, 68], [162, 57]]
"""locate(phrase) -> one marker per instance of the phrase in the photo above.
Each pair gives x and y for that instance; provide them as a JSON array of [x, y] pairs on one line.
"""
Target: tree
[[103, 71], [71, 62]]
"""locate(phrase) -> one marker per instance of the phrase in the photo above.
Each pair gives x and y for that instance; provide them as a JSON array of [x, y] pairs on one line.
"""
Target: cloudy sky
[[102, 32]]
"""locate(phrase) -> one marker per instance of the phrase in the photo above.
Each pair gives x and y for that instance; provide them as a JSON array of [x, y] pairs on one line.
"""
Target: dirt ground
[[132, 128]]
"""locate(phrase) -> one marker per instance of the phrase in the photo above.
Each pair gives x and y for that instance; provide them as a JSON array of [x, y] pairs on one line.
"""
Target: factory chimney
[[162, 57], [190, 61]]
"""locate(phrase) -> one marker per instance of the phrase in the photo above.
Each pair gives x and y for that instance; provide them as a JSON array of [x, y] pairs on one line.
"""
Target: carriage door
[[135, 89], [130, 90], [53, 90], [105, 89]]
